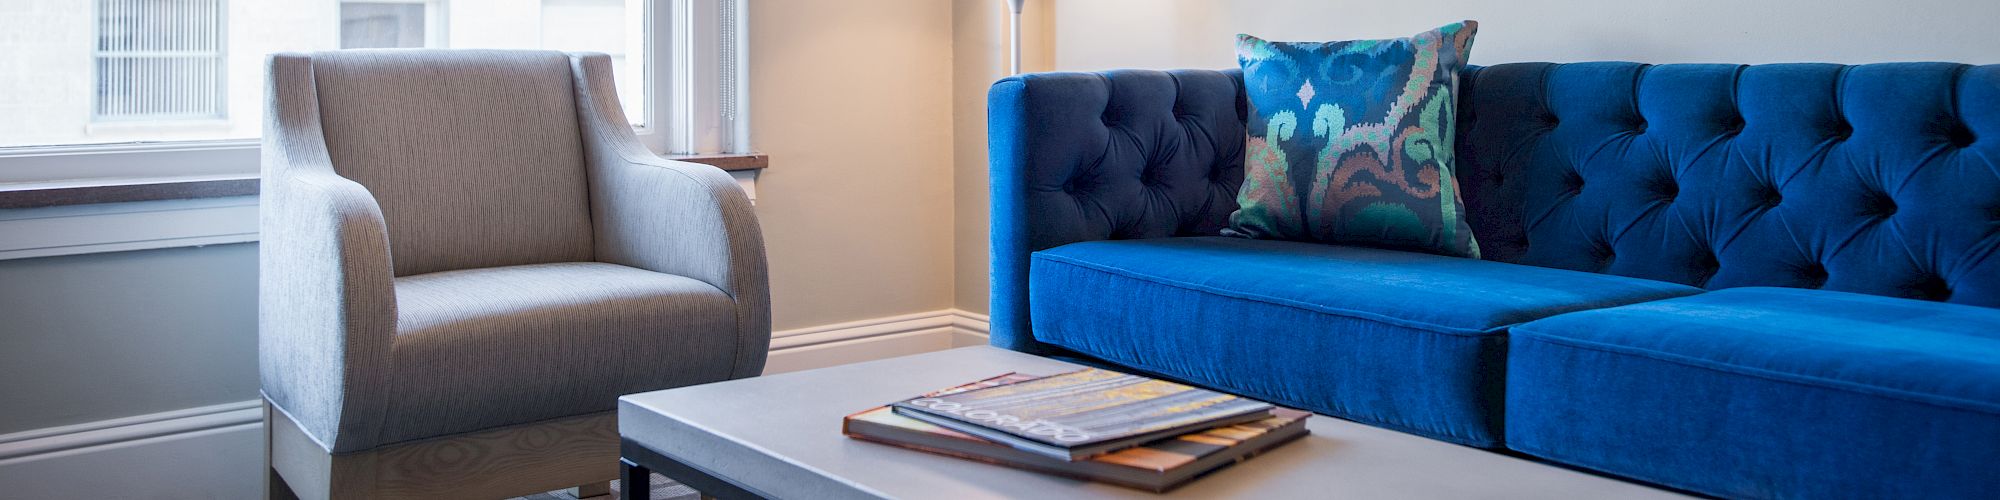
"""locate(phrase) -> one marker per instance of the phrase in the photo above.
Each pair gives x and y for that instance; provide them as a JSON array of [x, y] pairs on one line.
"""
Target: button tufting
[[1772, 197], [1932, 287], [1574, 180], [1843, 131], [1961, 136], [1884, 206], [1732, 125], [1814, 275], [1707, 262]]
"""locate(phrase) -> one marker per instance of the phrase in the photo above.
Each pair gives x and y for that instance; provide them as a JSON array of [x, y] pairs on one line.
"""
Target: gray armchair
[[467, 256]]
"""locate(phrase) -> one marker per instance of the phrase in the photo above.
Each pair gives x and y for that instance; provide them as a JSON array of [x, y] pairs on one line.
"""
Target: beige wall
[[853, 102], [979, 57]]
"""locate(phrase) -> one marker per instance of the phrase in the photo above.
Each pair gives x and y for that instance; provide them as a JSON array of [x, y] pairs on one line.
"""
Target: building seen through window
[[78, 72]]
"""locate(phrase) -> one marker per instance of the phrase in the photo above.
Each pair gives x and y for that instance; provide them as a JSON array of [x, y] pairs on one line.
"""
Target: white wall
[[1104, 34], [98, 336]]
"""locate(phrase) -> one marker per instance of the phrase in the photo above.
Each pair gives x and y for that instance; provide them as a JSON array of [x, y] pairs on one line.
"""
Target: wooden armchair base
[[498, 463]]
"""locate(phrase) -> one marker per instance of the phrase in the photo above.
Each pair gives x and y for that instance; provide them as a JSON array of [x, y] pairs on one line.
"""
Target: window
[[601, 26], [123, 72], [159, 60], [706, 91], [114, 91], [389, 25]]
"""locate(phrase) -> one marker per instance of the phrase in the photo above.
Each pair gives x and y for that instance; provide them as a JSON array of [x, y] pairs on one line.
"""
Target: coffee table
[[779, 437]]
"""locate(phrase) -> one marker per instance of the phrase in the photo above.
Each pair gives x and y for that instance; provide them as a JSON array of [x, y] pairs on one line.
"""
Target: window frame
[[118, 164], [217, 58], [437, 20]]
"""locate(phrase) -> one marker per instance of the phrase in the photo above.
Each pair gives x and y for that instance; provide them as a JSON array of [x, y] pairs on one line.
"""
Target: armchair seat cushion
[[491, 347], [1767, 392], [1403, 340]]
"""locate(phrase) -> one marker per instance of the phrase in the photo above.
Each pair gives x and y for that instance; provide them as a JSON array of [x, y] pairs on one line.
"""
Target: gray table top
[[780, 435]]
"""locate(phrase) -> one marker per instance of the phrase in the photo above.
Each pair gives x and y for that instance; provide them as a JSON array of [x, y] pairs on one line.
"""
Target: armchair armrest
[[672, 217], [327, 300]]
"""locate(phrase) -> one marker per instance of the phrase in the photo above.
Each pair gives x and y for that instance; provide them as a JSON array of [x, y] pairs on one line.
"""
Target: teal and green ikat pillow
[[1351, 142]]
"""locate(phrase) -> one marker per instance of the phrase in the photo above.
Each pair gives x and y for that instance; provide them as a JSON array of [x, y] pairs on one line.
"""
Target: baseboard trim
[[28, 444], [57, 459], [871, 339], [957, 320], [207, 452], [969, 322]]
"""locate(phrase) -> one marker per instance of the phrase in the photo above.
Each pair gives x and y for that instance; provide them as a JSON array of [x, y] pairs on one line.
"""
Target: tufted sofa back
[[1881, 179]]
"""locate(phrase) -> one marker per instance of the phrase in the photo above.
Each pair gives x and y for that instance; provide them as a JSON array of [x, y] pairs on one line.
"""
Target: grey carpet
[[663, 489]]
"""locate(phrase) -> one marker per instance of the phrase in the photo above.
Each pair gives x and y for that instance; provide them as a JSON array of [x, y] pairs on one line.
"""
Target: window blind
[[159, 60]]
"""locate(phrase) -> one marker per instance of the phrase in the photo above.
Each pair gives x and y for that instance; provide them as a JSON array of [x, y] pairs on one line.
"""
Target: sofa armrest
[[672, 217], [1094, 156]]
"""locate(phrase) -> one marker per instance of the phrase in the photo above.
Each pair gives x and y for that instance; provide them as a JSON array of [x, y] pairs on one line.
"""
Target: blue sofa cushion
[[1351, 141], [1403, 340], [1768, 392]]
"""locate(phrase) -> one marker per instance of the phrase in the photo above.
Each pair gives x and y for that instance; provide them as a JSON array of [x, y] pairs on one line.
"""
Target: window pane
[[121, 71], [600, 26], [369, 25], [158, 60]]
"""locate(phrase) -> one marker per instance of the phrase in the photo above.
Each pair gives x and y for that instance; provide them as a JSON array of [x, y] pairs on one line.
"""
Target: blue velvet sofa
[[1767, 281]]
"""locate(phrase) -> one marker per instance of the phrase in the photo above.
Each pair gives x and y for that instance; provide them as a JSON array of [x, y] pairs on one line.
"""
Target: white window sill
[[117, 227]]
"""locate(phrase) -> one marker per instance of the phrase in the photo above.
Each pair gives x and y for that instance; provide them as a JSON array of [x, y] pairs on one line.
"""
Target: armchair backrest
[[474, 156]]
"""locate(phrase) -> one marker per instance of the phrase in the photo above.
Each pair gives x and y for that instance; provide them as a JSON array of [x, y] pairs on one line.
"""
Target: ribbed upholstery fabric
[[672, 217], [326, 306], [1767, 393], [488, 347], [543, 261], [473, 155], [1404, 340]]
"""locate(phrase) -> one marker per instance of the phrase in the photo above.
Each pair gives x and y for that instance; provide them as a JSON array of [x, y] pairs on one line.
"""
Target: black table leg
[[636, 481], [641, 462]]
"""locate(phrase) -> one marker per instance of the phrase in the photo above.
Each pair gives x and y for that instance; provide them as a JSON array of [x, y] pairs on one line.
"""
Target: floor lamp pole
[[1014, 40]]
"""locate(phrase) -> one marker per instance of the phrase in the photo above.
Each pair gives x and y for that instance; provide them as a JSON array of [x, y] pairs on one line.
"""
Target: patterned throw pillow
[[1351, 142]]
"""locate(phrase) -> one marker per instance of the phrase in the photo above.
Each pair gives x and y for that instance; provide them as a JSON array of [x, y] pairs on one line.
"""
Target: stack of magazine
[[1089, 424]]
